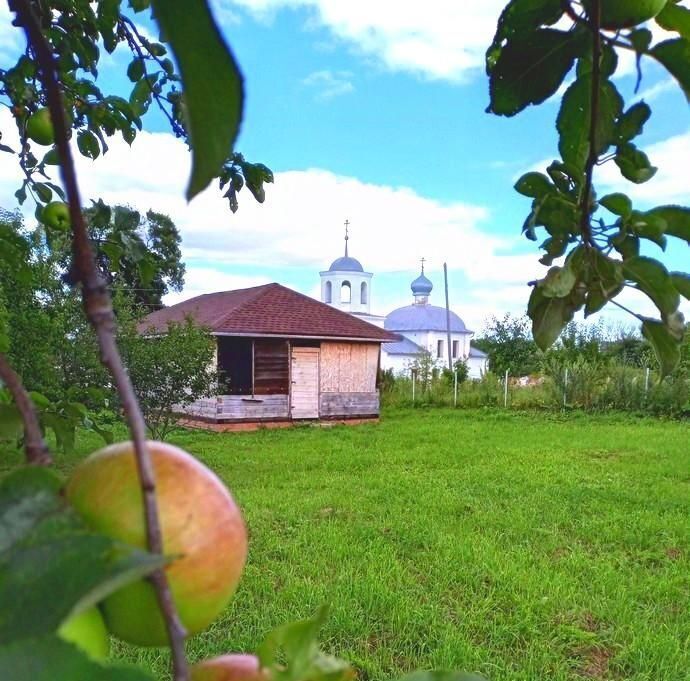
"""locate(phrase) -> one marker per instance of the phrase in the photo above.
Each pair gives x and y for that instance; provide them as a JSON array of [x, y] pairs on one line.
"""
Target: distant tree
[[509, 344], [135, 252], [169, 369]]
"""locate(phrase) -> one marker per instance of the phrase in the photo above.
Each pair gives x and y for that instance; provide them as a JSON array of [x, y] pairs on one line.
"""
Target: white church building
[[422, 326]]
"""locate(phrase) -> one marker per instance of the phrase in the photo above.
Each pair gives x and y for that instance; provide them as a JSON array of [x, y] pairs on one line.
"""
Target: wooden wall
[[264, 407], [348, 405], [349, 367]]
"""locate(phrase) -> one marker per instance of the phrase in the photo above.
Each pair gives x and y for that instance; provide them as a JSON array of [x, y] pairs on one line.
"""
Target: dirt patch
[[595, 663], [673, 553]]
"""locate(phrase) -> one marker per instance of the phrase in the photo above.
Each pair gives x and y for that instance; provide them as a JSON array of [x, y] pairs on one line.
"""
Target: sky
[[371, 112]]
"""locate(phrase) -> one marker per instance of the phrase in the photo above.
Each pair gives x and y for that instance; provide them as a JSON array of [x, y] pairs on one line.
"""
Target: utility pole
[[450, 350]]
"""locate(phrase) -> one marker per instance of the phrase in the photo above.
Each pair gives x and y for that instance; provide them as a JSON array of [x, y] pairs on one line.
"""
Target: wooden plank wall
[[271, 367], [349, 367], [349, 404], [264, 407]]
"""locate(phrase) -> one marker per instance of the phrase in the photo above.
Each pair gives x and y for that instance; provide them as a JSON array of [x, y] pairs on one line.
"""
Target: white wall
[[355, 279]]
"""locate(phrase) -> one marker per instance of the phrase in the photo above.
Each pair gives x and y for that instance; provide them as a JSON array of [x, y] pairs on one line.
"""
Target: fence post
[[455, 389], [414, 383], [505, 390], [646, 382], [565, 388]]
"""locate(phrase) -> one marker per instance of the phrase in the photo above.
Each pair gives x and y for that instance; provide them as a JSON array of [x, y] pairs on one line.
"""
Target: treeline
[[592, 367]]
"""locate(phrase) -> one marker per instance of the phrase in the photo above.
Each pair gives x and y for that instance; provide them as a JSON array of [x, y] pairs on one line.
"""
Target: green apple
[[87, 631], [617, 14], [229, 668], [201, 527], [56, 215], [39, 127]]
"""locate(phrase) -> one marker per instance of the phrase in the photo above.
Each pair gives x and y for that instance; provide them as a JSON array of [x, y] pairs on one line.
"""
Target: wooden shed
[[282, 356]]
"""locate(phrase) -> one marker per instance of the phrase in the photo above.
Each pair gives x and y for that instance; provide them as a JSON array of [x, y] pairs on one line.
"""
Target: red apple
[[229, 668], [87, 631], [202, 530]]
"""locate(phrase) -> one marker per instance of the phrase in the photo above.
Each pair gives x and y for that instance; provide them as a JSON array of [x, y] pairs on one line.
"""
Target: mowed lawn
[[522, 547]]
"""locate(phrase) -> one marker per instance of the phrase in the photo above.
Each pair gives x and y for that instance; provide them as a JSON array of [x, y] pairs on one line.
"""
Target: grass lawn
[[523, 547]]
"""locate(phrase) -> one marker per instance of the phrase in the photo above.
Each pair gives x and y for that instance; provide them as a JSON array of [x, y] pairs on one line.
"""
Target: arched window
[[328, 293], [363, 293], [345, 292]]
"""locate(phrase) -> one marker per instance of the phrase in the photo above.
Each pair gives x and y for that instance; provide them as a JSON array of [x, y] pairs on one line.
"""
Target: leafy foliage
[[527, 62], [202, 102], [51, 567], [169, 370]]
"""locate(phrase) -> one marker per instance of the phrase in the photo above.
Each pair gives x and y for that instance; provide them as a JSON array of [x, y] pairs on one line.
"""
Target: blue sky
[[374, 112]]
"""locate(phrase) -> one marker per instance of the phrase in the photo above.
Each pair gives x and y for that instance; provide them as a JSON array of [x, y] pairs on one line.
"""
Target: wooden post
[[565, 388], [505, 390], [450, 352], [455, 389], [646, 382], [414, 383]]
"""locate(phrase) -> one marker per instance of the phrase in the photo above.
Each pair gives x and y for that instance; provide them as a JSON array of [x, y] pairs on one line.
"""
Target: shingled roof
[[269, 310]]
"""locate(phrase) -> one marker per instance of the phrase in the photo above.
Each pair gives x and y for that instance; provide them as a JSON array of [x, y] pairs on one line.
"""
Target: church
[[423, 327]]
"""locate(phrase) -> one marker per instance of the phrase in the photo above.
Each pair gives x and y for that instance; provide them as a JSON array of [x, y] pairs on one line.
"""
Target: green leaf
[[291, 653], [631, 123], [48, 658], [549, 317], [534, 185], [634, 164], [135, 70], [574, 140], [88, 144], [212, 83], [674, 55], [653, 279], [530, 68], [558, 282], [520, 16], [677, 219], [648, 226], [681, 281], [51, 565], [44, 192], [666, 345], [604, 278], [618, 204], [675, 18]]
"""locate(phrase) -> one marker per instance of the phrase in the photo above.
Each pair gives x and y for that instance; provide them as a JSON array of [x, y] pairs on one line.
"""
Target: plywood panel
[[349, 367]]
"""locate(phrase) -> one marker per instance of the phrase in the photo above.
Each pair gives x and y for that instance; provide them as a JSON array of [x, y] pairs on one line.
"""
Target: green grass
[[520, 546]]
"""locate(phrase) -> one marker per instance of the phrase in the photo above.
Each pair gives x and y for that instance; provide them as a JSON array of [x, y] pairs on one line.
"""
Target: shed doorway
[[305, 383]]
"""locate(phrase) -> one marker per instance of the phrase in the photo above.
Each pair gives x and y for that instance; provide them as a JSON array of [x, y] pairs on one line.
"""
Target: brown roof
[[266, 310]]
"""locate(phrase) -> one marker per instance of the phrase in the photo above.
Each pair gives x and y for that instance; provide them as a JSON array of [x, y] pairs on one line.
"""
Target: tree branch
[[36, 449], [586, 196], [99, 311]]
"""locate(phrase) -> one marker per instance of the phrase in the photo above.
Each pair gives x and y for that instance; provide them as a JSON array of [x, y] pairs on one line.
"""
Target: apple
[[201, 526], [229, 668], [39, 127], [87, 631], [56, 215], [617, 14]]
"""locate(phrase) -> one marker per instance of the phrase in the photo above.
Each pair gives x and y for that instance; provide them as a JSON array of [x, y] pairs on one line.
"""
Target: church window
[[328, 293], [456, 347], [363, 294], [439, 349], [345, 292]]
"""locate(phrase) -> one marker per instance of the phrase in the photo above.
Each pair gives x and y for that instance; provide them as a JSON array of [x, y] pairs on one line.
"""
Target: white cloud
[[441, 39], [300, 226], [200, 280], [329, 84], [669, 185]]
